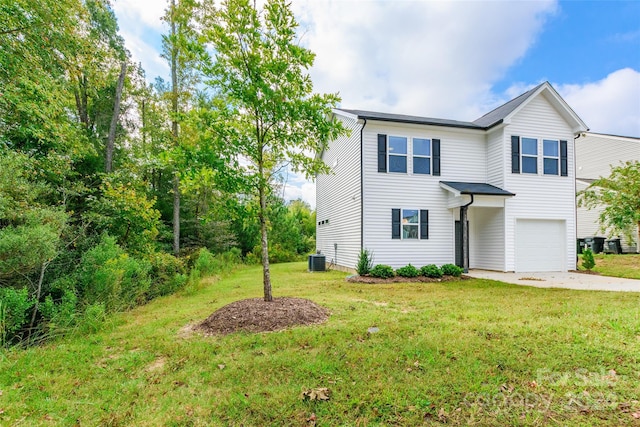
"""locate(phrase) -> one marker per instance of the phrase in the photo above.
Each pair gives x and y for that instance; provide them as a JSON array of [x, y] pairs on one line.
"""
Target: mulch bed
[[257, 315], [398, 279]]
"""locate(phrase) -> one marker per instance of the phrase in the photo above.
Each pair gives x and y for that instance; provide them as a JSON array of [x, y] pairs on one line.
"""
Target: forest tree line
[[114, 191]]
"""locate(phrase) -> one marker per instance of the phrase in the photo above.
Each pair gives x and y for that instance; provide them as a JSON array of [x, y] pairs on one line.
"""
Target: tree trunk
[[43, 268], [108, 161], [266, 274], [176, 213], [174, 132]]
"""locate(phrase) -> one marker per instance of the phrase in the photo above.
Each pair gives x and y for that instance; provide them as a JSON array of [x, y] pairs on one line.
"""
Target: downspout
[[362, 185], [575, 198], [465, 235]]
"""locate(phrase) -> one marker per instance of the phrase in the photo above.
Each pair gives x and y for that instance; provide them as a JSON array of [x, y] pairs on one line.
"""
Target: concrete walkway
[[568, 280]]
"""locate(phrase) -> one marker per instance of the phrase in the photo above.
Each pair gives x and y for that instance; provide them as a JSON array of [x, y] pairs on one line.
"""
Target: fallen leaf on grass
[[321, 393], [312, 420], [221, 366], [636, 415]]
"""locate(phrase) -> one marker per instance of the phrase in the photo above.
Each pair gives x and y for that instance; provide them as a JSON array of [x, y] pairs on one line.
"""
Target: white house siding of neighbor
[[399, 186], [595, 155]]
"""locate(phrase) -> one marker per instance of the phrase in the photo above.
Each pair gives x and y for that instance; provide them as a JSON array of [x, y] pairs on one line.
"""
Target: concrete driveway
[[568, 280]]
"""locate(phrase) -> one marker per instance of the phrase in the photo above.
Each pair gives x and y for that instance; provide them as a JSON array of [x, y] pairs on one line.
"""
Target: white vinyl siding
[[463, 158], [540, 196], [486, 238], [338, 199], [497, 159]]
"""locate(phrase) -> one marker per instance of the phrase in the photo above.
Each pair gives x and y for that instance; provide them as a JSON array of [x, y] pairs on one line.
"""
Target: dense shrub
[[588, 261], [382, 271], [168, 274], [15, 306], [451, 270], [431, 270], [408, 271], [365, 262], [110, 276], [61, 314]]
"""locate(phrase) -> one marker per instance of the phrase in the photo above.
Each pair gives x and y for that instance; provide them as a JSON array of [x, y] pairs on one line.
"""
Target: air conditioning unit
[[317, 262]]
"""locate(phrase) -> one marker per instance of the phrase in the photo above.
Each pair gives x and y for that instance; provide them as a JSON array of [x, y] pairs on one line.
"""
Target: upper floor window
[[422, 156], [550, 156], [397, 154], [529, 155], [394, 154], [524, 156]]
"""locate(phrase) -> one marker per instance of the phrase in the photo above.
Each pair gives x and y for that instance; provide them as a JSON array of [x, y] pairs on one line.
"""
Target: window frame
[[529, 156], [415, 225], [546, 157], [405, 154], [421, 156]]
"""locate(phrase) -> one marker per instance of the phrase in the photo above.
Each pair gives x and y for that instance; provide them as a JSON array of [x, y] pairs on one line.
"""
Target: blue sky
[[451, 59]]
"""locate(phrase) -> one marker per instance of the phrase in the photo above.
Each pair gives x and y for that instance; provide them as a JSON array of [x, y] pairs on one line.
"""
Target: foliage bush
[[15, 306], [365, 262], [408, 271], [168, 274], [431, 270], [110, 276], [588, 261], [451, 270], [382, 271], [60, 315]]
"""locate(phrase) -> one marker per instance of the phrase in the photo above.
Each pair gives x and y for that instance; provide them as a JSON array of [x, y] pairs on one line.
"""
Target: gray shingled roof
[[487, 121], [477, 188], [496, 116], [401, 118]]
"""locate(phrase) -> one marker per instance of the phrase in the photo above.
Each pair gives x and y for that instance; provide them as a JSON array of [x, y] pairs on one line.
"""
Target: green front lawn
[[469, 352]]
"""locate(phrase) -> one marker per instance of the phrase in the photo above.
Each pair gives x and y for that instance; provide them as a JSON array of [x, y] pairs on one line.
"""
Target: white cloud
[[611, 105], [425, 58], [141, 13], [142, 27]]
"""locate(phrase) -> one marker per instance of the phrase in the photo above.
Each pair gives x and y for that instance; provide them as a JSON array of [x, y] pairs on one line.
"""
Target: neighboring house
[[595, 155], [400, 184]]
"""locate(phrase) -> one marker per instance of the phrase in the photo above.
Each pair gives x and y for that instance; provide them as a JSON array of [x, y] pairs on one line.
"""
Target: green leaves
[[620, 195]]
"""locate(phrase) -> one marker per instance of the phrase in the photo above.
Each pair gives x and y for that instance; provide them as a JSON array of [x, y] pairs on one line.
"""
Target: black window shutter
[[515, 154], [424, 224], [382, 153], [563, 159], [395, 223], [435, 153]]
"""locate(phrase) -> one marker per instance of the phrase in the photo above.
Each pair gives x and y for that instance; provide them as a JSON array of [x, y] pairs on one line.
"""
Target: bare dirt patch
[[257, 315], [398, 279]]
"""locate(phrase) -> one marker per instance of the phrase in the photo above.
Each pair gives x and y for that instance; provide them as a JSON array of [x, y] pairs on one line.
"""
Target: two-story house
[[497, 193]]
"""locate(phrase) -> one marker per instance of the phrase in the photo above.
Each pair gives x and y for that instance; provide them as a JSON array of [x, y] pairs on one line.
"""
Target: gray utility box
[[317, 262]]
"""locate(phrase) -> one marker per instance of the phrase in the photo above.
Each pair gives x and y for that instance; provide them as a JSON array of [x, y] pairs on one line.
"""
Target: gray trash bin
[[613, 246]]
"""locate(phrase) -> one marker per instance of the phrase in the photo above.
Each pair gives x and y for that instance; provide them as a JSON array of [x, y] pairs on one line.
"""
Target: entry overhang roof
[[475, 188]]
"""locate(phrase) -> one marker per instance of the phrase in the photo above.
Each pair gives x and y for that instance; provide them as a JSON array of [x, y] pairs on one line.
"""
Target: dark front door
[[458, 232]]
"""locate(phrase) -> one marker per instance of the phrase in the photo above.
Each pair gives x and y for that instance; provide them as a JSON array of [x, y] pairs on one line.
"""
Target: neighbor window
[[529, 155], [551, 156], [397, 154], [422, 156], [409, 224]]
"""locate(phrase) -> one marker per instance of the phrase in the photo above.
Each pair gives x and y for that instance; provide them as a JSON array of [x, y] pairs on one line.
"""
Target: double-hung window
[[551, 156], [397, 154], [409, 224], [422, 156], [524, 156], [529, 155]]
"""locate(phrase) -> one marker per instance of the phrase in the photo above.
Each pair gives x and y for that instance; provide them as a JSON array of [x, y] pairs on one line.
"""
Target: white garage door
[[540, 245]]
